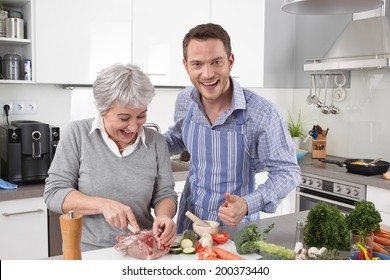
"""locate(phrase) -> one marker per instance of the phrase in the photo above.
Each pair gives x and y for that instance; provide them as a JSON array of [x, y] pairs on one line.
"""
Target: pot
[[379, 167]]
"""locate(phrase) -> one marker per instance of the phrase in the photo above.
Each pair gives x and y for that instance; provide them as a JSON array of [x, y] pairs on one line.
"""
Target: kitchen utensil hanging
[[316, 87]]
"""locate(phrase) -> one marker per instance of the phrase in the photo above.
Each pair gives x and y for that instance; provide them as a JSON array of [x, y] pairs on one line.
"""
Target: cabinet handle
[[23, 212]]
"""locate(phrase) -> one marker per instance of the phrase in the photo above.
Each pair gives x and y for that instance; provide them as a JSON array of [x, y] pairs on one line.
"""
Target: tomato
[[220, 237]]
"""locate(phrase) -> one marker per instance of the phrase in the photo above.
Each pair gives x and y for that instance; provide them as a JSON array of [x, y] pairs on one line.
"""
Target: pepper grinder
[[298, 237], [71, 227]]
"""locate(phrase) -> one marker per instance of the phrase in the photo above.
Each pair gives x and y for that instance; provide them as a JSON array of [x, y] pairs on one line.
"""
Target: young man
[[231, 134]]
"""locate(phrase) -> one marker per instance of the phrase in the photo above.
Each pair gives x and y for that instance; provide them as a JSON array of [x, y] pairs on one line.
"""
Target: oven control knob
[[304, 180], [338, 188], [356, 193], [348, 191], [310, 182]]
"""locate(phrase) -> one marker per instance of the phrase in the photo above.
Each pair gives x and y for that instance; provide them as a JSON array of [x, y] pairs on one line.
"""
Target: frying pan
[[379, 167]]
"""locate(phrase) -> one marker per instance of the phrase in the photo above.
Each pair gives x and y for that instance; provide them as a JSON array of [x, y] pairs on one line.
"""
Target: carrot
[[381, 234], [378, 248], [385, 231], [382, 240], [226, 255]]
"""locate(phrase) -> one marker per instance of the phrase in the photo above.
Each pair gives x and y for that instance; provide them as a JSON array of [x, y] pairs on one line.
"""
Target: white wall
[[53, 103]]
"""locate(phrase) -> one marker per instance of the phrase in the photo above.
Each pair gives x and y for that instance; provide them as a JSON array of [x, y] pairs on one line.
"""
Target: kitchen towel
[[7, 185]]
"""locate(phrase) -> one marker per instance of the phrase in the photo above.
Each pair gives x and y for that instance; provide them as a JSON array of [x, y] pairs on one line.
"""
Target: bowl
[[212, 229], [386, 175], [300, 153]]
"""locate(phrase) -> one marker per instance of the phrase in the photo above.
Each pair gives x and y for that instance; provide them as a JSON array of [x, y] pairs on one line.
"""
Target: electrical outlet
[[30, 107], [2, 103], [19, 107]]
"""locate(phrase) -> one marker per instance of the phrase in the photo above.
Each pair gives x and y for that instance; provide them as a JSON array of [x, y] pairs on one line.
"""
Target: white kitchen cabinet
[[262, 38], [23, 233], [76, 39], [380, 197], [22, 46], [158, 31]]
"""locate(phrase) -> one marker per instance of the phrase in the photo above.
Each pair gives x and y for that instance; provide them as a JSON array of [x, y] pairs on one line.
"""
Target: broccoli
[[249, 239]]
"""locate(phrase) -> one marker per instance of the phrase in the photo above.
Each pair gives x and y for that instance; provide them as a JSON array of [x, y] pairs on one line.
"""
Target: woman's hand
[[118, 215], [165, 227]]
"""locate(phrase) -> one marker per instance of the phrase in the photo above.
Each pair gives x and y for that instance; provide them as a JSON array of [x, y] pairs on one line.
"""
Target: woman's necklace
[[131, 143]]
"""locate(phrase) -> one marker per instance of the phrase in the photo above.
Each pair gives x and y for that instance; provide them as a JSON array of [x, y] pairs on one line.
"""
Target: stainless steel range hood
[[364, 44]]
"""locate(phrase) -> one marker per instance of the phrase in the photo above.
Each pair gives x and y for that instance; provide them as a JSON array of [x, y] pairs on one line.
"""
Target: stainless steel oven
[[342, 194]]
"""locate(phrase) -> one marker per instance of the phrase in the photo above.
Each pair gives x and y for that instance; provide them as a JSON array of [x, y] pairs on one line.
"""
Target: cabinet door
[[262, 38], [158, 31], [23, 234], [76, 39], [379, 197], [245, 23]]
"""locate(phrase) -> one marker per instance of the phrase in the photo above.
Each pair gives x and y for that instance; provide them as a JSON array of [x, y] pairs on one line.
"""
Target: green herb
[[326, 227], [364, 218], [249, 239], [295, 127]]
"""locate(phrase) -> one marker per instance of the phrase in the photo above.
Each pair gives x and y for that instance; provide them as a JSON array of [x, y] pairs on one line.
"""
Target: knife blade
[[131, 228]]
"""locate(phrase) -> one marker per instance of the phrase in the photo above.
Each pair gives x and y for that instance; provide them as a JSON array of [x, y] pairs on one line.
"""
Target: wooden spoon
[[197, 220]]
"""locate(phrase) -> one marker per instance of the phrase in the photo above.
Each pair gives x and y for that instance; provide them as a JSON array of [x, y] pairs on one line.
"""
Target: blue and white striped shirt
[[270, 144]]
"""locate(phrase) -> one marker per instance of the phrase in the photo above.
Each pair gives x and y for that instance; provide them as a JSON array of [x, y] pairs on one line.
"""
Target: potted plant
[[295, 127]]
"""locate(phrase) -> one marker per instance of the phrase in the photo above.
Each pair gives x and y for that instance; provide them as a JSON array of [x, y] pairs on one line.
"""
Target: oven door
[[306, 199]]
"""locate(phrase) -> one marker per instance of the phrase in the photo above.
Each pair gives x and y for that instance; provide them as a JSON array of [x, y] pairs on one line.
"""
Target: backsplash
[[362, 129]]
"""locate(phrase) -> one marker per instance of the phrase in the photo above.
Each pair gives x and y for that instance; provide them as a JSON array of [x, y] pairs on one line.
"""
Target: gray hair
[[122, 83]]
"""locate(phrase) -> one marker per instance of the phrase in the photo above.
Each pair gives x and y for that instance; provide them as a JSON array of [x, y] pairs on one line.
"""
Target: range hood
[[364, 44]]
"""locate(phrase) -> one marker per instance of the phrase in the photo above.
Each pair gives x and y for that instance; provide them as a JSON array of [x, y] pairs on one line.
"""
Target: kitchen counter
[[282, 234], [329, 170], [22, 192]]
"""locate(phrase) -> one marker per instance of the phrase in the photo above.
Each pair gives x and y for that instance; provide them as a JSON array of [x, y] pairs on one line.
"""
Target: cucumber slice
[[175, 251], [175, 245], [189, 251], [186, 243]]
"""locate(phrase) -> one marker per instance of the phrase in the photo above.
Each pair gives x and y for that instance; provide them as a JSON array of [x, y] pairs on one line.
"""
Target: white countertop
[[113, 254]]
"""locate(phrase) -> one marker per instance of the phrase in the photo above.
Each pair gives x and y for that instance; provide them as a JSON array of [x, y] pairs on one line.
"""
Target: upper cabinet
[[76, 39], [158, 31], [262, 38], [21, 46], [70, 42]]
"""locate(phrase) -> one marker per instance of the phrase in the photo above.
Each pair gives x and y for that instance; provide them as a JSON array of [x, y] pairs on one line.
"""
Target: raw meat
[[144, 245]]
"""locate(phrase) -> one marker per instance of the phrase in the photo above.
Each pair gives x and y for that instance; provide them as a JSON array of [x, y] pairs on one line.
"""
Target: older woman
[[112, 169]]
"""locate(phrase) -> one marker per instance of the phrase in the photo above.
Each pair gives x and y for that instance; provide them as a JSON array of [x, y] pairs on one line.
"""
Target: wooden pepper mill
[[71, 227]]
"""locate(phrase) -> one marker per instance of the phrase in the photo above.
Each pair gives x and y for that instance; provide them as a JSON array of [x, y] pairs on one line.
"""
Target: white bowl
[[212, 229]]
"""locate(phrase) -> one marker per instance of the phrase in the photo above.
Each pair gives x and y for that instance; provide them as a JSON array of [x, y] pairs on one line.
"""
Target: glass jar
[[11, 66], [3, 17]]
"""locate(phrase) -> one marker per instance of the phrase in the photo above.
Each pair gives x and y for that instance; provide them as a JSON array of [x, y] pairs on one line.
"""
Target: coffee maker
[[27, 149]]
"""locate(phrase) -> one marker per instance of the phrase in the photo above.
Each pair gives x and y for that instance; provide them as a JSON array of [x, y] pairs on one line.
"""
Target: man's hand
[[233, 210]]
